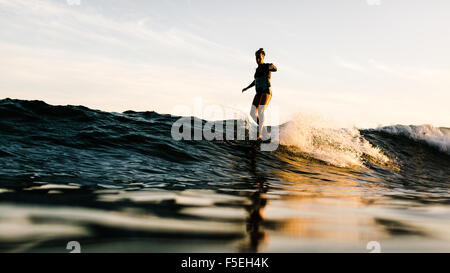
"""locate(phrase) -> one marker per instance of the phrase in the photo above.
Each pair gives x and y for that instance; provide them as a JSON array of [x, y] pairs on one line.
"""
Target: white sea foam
[[324, 140], [434, 136]]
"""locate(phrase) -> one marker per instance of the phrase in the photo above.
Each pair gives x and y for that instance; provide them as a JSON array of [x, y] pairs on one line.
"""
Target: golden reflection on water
[[306, 206], [317, 202]]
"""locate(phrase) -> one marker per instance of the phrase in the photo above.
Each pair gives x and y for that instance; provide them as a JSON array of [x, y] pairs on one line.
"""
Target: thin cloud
[[413, 73], [90, 26], [341, 62]]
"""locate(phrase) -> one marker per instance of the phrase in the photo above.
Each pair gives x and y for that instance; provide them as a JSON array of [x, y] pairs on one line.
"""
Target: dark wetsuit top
[[262, 78]]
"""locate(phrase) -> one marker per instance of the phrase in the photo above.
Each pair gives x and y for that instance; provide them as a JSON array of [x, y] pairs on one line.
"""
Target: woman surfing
[[263, 89]]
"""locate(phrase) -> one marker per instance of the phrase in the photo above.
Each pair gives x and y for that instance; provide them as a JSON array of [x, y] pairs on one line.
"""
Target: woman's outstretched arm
[[250, 86]]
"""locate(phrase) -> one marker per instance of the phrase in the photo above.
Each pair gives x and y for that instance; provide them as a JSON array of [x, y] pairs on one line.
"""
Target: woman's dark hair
[[260, 51]]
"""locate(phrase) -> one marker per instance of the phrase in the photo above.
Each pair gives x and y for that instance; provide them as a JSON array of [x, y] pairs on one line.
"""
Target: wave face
[[115, 161]]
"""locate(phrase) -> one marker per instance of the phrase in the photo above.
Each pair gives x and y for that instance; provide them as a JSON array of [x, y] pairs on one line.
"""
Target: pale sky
[[360, 62]]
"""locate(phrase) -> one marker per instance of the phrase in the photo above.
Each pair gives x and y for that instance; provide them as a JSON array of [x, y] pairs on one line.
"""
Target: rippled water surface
[[119, 183]]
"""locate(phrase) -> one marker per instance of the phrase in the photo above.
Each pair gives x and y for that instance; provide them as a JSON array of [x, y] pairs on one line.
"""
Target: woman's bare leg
[[255, 106], [263, 103]]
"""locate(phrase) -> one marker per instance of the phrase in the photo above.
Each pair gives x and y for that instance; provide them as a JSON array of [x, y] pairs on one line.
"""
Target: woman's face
[[259, 58]]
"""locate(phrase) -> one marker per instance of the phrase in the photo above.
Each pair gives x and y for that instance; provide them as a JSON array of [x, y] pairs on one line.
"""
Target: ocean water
[[118, 182]]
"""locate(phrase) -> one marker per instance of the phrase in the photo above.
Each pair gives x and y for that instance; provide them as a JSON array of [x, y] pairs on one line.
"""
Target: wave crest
[[433, 136], [323, 140]]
